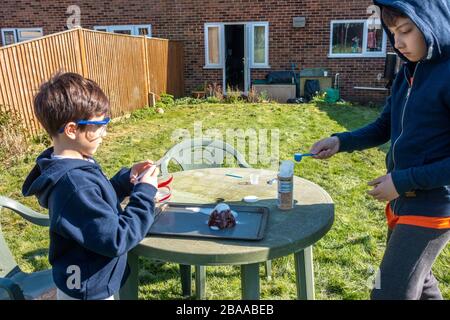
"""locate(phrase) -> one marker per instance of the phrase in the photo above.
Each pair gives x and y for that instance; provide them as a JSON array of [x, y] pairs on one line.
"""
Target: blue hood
[[432, 17], [46, 174]]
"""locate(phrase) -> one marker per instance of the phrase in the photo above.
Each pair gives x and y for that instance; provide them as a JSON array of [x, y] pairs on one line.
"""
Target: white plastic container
[[286, 185]]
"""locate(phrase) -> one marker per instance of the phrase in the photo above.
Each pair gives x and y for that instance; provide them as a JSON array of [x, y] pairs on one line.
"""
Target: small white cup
[[254, 178], [325, 73]]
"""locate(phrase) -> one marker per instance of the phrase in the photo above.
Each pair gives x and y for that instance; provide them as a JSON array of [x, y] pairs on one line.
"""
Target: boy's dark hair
[[68, 97], [390, 16]]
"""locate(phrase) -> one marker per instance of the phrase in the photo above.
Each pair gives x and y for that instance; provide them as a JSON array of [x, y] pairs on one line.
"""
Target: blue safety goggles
[[103, 122]]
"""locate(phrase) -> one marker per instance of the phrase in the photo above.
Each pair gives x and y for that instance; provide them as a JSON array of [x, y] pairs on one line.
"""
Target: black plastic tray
[[177, 219]]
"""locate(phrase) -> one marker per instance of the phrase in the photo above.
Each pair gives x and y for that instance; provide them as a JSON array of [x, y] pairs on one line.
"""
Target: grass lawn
[[345, 259]]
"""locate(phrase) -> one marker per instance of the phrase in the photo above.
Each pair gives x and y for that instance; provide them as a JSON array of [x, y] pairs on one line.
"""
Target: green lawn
[[345, 259]]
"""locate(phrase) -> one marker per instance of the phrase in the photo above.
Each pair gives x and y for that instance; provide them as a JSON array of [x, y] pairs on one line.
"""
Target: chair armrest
[[25, 212], [12, 289]]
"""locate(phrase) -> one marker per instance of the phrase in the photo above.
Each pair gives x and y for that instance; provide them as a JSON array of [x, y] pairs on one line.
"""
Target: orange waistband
[[420, 221]]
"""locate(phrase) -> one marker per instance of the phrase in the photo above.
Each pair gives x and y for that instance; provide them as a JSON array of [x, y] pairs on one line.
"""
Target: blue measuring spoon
[[298, 156]]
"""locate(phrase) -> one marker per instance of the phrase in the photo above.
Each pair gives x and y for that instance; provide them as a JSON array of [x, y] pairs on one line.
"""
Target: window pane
[[28, 34], [123, 31], [260, 45], [9, 37], [213, 45], [104, 30], [347, 37], [143, 31], [374, 36]]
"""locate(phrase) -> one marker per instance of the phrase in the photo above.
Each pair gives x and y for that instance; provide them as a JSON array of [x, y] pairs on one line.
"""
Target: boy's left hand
[[384, 189], [138, 168]]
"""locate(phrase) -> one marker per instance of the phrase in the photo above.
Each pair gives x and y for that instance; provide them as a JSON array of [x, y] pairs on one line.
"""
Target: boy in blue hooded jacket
[[90, 234], [416, 119]]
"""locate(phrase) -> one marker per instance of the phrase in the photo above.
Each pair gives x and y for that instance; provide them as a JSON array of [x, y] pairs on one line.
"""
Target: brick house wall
[[184, 20]]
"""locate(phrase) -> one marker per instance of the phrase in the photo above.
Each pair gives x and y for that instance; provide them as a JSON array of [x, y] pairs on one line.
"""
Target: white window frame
[[254, 65], [101, 28], [134, 28], [16, 31], [364, 53], [251, 26], [4, 30], [221, 63], [148, 26]]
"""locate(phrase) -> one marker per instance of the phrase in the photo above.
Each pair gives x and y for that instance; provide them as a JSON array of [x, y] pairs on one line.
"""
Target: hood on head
[[432, 17]]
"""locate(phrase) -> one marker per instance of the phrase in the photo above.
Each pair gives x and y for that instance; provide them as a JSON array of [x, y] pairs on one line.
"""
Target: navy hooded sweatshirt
[[88, 228], [416, 118]]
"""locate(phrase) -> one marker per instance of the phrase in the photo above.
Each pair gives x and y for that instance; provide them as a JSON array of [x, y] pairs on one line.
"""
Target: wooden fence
[[128, 68]]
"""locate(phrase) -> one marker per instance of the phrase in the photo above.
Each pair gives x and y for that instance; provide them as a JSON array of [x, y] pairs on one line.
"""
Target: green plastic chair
[[187, 154], [213, 152], [14, 283]]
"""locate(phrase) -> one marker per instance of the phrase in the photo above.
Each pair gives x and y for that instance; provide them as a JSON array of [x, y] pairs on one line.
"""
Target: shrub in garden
[[13, 138]]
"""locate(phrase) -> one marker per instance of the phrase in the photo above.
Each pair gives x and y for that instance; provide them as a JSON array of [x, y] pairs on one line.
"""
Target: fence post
[[82, 52], [147, 80], [181, 49]]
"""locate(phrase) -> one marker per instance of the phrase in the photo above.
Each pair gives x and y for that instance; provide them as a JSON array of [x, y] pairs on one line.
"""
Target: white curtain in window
[[213, 45], [259, 45], [24, 35]]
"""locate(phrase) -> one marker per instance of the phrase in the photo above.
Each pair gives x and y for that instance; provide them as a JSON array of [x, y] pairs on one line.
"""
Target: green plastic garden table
[[287, 232]]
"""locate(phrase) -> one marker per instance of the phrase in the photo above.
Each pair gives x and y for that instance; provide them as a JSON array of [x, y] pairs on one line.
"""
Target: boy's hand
[[325, 148], [138, 168], [151, 176], [384, 189]]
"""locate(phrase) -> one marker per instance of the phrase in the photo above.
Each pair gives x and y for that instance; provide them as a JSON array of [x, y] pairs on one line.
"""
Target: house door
[[237, 66]]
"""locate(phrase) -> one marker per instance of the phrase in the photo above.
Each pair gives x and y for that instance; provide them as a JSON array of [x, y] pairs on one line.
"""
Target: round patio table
[[287, 232]]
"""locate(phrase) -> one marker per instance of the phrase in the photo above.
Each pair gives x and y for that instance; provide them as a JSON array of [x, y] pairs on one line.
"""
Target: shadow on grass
[[152, 272], [353, 117], [37, 258], [36, 253], [306, 225]]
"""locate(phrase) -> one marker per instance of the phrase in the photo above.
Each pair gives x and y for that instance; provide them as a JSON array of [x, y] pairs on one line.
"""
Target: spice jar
[[286, 185]]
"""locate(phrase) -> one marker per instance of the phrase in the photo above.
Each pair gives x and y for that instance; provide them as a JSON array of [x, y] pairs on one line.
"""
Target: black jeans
[[405, 271]]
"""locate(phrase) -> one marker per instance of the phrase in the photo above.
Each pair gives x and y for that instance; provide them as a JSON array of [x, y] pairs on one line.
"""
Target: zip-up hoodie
[[416, 117], [90, 234]]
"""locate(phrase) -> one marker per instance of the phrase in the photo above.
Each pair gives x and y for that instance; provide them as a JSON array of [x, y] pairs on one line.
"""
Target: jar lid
[[251, 198], [286, 169]]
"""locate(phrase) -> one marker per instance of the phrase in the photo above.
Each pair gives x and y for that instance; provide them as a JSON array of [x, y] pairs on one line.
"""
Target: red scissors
[[164, 190]]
